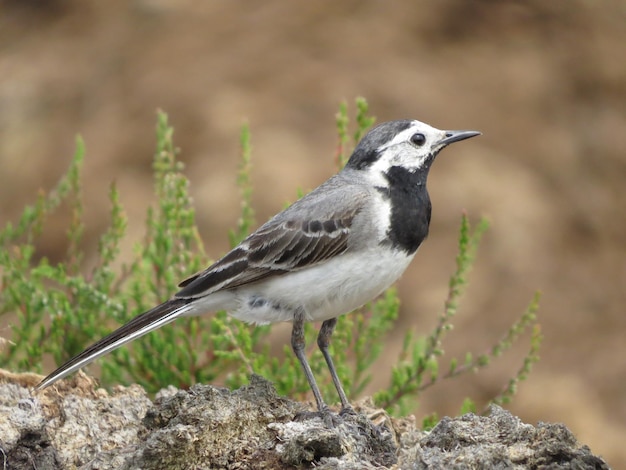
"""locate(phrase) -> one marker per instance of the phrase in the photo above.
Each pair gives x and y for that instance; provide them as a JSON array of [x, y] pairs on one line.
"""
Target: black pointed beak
[[456, 136]]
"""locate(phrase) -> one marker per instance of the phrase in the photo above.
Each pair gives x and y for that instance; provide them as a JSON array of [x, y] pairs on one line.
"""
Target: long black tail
[[138, 326]]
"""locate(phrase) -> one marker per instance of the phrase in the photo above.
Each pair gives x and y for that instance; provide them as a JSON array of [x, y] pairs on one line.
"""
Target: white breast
[[326, 291]]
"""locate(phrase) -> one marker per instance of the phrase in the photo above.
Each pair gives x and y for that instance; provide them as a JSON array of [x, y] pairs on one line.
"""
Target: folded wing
[[280, 246]]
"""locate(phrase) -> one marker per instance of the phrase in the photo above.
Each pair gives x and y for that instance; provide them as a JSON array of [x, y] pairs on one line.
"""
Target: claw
[[330, 418]]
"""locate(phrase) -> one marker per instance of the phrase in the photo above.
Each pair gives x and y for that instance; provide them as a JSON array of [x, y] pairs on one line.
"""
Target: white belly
[[323, 292]]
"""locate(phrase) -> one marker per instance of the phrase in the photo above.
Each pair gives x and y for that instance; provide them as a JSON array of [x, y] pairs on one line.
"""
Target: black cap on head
[[366, 151]]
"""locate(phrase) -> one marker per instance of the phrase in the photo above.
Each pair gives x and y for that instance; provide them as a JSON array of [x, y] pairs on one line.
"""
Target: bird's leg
[[323, 341], [298, 344]]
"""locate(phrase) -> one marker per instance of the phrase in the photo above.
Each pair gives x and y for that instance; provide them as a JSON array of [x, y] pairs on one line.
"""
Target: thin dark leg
[[298, 344], [323, 341]]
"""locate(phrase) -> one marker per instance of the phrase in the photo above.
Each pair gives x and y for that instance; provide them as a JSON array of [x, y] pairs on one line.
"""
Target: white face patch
[[400, 151]]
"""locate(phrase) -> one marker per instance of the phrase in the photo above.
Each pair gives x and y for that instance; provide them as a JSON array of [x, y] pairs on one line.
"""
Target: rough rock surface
[[76, 425]]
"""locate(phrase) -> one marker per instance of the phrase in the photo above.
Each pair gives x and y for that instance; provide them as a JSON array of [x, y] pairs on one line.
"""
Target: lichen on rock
[[77, 425]]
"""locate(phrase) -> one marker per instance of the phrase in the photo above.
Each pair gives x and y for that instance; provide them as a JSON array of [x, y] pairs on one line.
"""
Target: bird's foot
[[347, 411], [330, 418]]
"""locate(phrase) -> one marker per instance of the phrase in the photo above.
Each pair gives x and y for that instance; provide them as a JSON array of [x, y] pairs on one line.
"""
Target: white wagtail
[[327, 254]]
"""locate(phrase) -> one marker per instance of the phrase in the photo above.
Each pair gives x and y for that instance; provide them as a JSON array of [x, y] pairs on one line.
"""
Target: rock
[[76, 425], [500, 441]]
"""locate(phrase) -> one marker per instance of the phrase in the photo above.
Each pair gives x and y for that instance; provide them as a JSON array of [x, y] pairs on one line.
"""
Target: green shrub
[[59, 309]]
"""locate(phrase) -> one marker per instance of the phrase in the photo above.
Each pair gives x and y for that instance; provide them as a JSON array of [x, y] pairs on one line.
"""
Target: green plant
[[57, 309], [418, 367]]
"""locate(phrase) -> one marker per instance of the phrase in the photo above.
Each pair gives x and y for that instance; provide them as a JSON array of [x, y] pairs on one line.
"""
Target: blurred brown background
[[544, 81]]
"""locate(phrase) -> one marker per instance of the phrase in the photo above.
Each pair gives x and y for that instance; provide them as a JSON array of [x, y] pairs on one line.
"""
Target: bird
[[328, 253]]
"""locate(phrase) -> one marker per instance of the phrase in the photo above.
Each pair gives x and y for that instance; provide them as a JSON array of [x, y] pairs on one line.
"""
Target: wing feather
[[276, 248]]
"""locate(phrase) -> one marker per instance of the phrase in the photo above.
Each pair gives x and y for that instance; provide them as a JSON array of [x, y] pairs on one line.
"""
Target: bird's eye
[[418, 139]]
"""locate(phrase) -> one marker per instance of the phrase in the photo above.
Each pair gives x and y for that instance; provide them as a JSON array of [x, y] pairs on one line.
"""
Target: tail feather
[[138, 326]]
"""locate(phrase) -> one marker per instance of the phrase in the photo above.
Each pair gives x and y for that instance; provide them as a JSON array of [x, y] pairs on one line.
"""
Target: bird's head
[[409, 144]]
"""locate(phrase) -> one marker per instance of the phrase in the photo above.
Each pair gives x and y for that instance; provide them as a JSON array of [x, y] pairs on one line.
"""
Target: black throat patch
[[410, 207]]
